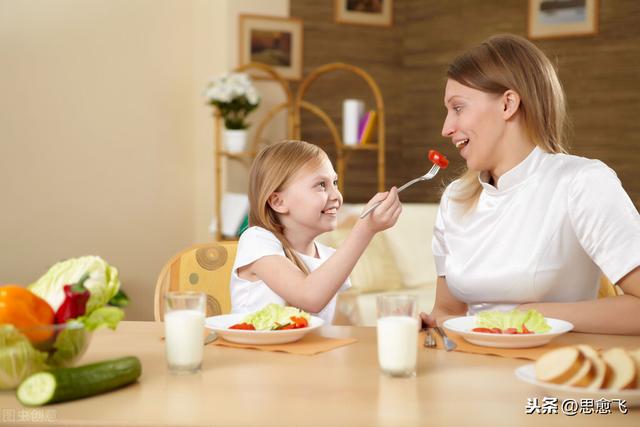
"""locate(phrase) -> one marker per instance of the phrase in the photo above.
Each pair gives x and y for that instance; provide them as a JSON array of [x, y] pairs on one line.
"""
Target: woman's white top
[[255, 243], [554, 223]]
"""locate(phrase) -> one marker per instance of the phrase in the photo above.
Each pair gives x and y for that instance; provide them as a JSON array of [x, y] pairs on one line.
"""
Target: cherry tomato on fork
[[438, 158]]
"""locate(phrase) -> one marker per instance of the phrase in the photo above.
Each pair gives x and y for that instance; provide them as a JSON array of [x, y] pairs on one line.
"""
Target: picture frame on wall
[[562, 18], [273, 41], [364, 12]]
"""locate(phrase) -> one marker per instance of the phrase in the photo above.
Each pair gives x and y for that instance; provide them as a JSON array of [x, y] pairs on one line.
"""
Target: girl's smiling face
[[475, 123], [309, 203]]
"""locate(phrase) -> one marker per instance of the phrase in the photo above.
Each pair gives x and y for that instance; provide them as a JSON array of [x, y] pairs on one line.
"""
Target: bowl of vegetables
[[49, 324], [22, 354]]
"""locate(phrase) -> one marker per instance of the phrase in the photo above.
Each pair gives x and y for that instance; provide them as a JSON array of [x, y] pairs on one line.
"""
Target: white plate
[[464, 325], [220, 324], [527, 373]]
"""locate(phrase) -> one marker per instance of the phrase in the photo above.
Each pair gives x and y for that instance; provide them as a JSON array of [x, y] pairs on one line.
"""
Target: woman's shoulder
[[577, 167]]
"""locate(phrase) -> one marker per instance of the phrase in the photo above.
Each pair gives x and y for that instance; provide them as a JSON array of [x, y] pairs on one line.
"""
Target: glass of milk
[[184, 314], [397, 334]]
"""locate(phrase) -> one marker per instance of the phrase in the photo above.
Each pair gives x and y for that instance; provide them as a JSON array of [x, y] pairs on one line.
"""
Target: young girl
[[294, 197]]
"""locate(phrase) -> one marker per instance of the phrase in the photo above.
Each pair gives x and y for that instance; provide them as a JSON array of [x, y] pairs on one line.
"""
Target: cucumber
[[63, 384]]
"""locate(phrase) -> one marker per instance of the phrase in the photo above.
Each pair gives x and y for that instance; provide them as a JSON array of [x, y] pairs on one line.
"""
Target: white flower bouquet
[[235, 97]]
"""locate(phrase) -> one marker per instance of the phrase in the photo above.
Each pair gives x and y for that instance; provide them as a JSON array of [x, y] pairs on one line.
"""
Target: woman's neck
[[516, 147]]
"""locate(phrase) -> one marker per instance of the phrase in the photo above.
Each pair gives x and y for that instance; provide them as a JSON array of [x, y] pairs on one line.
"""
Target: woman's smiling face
[[475, 123]]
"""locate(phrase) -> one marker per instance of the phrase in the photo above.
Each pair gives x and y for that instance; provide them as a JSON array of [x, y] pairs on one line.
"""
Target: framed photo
[[273, 41], [562, 18], [364, 12]]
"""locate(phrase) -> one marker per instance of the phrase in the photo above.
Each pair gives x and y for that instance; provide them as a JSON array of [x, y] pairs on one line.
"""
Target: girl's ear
[[510, 104], [276, 201]]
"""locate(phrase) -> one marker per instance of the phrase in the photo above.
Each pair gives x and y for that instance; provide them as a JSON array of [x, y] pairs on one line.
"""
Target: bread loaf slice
[[623, 369], [598, 367], [559, 366], [635, 355]]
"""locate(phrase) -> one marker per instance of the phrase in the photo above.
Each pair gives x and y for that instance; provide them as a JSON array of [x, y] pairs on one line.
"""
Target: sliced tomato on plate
[[243, 326], [300, 322], [287, 326]]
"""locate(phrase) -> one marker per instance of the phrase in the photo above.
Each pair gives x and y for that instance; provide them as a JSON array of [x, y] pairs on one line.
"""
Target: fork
[[448, 344], [427, 176], [210, 338], [428, 339]]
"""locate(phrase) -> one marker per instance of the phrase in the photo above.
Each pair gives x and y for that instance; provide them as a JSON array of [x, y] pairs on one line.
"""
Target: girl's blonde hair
[[504, 62], [271, 171]]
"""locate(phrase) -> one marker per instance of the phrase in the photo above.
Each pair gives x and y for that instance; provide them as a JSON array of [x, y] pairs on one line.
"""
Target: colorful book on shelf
[[362, 123], [369, 126]]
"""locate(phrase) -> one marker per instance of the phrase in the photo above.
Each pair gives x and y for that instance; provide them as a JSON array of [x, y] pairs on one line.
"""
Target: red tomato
[[438, 158], [525, 330], [287, 326], [243, 326], [510, 331], [300, 322]]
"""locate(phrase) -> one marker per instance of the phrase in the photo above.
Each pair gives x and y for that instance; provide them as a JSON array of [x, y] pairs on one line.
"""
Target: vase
[[235, 140]]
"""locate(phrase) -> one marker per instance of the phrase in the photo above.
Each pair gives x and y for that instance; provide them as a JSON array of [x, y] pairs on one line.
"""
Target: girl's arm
[[611, 315], [445, 307], [314, 291]]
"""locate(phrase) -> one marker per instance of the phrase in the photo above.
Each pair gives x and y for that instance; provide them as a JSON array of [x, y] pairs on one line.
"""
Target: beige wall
[[105, 141]]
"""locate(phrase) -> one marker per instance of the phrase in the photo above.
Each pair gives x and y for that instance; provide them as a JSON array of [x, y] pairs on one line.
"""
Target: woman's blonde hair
[[504, 62], [271, 171]]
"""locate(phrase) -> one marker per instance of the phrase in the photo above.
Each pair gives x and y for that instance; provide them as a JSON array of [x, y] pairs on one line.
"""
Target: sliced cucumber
[[62, 384]]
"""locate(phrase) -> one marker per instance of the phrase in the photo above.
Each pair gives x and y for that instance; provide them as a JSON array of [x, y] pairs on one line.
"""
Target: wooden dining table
[[341, 387]]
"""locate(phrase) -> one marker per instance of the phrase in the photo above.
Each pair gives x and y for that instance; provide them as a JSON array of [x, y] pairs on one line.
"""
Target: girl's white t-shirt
[[255, 243], [554, 223]]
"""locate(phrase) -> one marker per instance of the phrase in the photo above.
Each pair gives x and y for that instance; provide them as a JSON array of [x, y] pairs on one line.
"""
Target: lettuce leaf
[[103, 281], [532, 319], [103, 317], [18, 358], [70, 343], [273, 315], [73, 341]]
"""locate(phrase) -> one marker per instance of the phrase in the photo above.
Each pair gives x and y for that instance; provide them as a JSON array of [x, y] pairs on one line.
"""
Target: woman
[[528, 226]]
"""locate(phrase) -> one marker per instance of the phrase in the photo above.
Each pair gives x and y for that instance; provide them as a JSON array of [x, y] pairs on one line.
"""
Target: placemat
[[515, 353], [309, 345]]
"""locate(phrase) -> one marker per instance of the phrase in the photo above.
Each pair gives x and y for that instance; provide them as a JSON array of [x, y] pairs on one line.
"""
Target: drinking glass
[[397, 334], [184, 331]]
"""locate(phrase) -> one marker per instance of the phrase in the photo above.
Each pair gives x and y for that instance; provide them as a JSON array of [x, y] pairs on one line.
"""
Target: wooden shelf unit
[[343, 151]]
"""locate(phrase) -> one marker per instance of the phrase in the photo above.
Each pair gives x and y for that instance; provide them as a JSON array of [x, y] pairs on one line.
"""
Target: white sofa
[[398, 260]]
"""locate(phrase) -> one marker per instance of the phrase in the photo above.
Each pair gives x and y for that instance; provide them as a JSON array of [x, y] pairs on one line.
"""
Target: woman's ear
[[276, 201], [510, 103]]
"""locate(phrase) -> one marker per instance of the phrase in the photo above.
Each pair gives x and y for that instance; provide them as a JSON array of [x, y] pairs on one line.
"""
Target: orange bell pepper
[[25, 310]]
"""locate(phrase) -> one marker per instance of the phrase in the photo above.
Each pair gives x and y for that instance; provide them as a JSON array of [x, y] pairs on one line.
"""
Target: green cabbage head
[[103, 281], [18, 358]]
